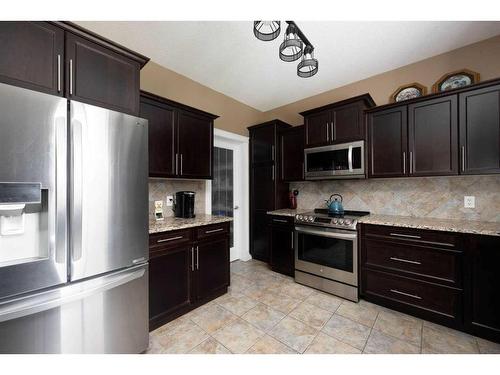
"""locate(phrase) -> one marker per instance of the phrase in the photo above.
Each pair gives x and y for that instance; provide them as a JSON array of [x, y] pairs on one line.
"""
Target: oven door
[[344, 160], [329, 253]]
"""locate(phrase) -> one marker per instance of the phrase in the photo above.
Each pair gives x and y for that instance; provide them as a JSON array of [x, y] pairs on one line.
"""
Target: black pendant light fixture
[[294, 46], [291, 48], [266, 30], [309, 65]]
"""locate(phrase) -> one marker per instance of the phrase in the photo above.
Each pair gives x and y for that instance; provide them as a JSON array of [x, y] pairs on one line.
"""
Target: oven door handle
[[330, 234]]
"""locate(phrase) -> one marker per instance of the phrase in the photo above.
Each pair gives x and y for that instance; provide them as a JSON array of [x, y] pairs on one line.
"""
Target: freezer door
[[33, 191], [107, 314], [109, 190]]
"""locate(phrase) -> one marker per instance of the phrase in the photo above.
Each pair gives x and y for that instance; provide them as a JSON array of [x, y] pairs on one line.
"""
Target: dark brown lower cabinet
[[169, 267], [444, 277], [482, 307], [212, 267], [188, 268], [413, 271], [281, 241]]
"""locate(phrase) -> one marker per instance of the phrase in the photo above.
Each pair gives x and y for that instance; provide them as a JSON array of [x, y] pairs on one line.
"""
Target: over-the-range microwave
[[346, 160]]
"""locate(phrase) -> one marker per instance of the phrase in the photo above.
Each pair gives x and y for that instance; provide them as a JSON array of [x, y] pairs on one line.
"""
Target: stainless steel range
[[326, 252]]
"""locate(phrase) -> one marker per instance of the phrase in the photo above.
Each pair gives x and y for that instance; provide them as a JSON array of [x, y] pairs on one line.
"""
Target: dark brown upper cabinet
[[161, 136], [387, 133], [318, 128], [180, 138], [292, 153], [32, 56], [61, 58], [480, 131], [433, 137], [337, 122], [101, 77], [263, 145], [448, 133], [195, 134]]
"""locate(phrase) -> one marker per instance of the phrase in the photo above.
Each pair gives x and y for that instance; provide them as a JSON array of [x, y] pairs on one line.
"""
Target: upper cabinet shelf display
[[180, 138], [337, 122], [61, 58], [451, 133]]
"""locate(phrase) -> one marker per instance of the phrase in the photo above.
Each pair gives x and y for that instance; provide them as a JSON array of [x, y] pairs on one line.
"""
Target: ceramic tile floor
[[268, 313]]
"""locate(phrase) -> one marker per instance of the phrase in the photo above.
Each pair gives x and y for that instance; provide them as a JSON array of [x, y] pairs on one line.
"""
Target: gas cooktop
[[321, 217]]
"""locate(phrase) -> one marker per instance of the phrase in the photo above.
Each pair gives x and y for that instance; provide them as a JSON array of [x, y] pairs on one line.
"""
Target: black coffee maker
[[184, 204]]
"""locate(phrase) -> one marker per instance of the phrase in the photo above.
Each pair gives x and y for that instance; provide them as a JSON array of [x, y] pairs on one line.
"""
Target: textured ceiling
[[227, 57]]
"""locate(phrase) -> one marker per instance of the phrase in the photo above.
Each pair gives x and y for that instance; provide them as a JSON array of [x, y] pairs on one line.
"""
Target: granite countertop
[[286, 212], [175, 223], [448, 225]]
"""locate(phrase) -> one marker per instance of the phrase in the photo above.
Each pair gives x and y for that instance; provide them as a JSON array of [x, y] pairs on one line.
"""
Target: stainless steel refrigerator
[[73, 226]]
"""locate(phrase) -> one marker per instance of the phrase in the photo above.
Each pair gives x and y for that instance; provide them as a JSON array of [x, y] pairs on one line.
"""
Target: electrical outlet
[[170, 200], [469, 201]]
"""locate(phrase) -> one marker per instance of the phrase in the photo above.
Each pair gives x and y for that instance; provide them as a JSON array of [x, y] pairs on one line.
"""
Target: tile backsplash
[[160, 188], [437, 197]]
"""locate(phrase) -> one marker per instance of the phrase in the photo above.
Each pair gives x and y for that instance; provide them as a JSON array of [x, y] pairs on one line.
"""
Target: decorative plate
[[455, 80], [405, 92]]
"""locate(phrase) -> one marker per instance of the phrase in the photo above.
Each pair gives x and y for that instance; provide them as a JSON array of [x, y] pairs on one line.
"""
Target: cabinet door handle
[[280, 221], [303, 171], [192, 258], [214, 230], [273, 156], [169, 239], [71, 76], [463, 158], [292, 241], [404, 162], [327, 132], [405, 260], [181, 164], [58, 73], [405, 294], [176, 163], [404, 235], [411, 162], [197, 258], [273, 172], [334, 131]]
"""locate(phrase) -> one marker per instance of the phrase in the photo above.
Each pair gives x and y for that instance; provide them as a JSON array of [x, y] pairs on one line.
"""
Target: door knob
[[236, 207]]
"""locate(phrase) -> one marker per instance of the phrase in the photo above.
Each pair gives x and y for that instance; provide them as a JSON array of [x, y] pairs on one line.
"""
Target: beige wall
[[482, 57], [234, 115]]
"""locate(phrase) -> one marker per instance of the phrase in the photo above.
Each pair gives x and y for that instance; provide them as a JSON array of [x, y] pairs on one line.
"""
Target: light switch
[[170, 200], [470, 201]]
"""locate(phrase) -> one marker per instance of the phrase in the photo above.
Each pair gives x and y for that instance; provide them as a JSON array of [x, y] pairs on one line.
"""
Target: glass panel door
[[222, 185]]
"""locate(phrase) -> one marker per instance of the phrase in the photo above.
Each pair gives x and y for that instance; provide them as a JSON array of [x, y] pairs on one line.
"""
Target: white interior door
[[227, 193]]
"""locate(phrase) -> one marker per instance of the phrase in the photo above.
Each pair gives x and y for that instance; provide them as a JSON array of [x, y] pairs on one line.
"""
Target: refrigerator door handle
[[61, 220], [48, 300], [76, 190]]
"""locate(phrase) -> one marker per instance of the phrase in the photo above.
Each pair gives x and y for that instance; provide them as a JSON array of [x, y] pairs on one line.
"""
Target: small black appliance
[[184, 204]]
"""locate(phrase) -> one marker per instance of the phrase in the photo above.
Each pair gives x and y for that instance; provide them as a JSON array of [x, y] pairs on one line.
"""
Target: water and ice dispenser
[[23, 222]]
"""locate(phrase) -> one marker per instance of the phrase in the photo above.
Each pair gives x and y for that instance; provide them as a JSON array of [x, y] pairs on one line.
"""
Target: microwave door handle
[[349, 158]]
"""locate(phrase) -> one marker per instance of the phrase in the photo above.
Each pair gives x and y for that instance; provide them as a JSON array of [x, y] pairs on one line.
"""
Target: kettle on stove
[[334, 205]]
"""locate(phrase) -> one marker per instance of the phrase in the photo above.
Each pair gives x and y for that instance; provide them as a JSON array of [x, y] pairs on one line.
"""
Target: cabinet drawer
[[440, 265], [212, 230], [433, 298], [167, 239], [283, 220], [424, 237]]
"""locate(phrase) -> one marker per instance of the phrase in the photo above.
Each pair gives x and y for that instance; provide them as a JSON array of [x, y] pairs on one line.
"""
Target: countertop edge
[[170, 227]]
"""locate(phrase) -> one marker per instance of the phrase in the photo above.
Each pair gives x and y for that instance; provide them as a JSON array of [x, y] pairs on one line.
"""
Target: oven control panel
[[339, 222]]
